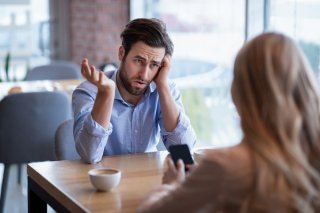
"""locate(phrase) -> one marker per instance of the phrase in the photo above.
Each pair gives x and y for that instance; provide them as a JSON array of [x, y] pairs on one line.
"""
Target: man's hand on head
[[163, 72], [98, 78]]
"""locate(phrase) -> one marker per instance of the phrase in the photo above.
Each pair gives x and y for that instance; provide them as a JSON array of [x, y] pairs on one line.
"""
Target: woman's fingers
[[191, 167], [170, 164], [180, 166]]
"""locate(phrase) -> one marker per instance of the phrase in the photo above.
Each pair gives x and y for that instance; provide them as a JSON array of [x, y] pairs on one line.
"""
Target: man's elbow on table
[[87, 156]]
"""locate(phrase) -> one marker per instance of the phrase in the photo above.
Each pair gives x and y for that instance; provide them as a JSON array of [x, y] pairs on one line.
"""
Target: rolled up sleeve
[[183, 133], [90, 137]]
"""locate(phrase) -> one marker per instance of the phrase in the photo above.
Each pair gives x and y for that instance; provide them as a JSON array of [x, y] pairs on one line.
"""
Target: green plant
[[27, 68], [194, 101], [7, 65]]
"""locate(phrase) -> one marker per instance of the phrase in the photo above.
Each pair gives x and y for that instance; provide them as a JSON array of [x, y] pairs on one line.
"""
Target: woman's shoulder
[[234, 159], [238, 151]]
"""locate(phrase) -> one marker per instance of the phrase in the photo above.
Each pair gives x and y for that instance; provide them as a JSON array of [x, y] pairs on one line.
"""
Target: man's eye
[[139, 61], [155, 65]]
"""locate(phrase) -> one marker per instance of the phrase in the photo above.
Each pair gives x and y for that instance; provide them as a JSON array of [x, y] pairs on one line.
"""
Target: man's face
[[139, 67]]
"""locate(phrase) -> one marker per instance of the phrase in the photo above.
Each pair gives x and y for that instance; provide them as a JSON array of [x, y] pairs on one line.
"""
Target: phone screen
[[181, 151]]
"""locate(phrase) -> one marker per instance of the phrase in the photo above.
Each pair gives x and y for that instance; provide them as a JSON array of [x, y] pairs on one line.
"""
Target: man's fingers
[[166, 60], [84, 62], [94, 74], [85, 70], [92, 69], [101, 78]]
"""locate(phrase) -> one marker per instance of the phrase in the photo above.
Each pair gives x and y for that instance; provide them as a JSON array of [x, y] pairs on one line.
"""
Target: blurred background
[[206, 33]]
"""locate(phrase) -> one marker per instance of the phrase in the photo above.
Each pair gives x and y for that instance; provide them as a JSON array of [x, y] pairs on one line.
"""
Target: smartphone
[[181, 151]]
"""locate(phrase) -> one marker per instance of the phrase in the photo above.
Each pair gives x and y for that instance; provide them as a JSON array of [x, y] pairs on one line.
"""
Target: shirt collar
[[117, 94]]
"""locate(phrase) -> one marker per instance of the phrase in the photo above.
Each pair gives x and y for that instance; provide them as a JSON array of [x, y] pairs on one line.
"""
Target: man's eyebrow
[[156, 62], [140, 57], [144, 59]]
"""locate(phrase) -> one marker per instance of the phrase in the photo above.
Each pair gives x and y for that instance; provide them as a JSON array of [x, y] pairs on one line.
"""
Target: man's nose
[[144, 72]]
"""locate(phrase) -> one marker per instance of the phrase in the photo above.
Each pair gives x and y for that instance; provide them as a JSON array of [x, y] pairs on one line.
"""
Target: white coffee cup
[[104, 179]]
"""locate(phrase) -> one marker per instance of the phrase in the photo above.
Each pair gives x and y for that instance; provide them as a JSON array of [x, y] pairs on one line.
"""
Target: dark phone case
[[181, 151]]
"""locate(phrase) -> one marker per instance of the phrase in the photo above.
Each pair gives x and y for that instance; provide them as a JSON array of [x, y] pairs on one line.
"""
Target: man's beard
[[125, 81]]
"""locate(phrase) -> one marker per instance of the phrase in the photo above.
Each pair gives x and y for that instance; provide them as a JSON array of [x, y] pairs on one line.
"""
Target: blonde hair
[[278, 103]]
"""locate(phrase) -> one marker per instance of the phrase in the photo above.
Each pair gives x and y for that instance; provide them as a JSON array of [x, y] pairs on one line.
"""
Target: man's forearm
[[90, 138], [102, 108], [169, 108]]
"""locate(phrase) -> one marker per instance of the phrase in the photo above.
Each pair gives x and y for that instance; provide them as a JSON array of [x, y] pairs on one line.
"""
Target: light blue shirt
[[133, 129]]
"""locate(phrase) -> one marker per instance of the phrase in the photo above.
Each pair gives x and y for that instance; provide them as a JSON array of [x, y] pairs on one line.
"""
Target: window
[[24, 34], [299, 19], [206, 34]]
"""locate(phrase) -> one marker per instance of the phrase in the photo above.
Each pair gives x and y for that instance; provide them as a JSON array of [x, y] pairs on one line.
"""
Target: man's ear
[[121, 53]]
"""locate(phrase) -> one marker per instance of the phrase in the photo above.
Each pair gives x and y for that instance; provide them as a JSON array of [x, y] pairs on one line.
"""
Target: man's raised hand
[[98, 78]]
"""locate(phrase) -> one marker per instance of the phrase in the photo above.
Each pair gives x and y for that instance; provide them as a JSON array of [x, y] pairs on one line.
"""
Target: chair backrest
[[55, 71], [64, 142], [28, 122]]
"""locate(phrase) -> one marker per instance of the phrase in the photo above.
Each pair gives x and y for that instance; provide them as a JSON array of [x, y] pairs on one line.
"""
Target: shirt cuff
[[95, 129], [183, 124]]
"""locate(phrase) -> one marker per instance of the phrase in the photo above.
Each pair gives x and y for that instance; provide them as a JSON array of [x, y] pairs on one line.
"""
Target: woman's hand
[[155, 196], [174, 175]]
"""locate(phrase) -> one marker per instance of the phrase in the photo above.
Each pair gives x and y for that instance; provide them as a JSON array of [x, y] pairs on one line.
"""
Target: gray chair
[[28, 122], [64, 142], [57, 70]]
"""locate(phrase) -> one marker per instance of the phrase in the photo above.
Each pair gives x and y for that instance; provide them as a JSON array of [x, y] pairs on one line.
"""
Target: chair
[[55, 71], [64, 142], [28, 122]]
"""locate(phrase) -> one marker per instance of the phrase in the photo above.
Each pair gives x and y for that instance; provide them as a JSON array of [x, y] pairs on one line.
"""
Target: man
[[123, 111]]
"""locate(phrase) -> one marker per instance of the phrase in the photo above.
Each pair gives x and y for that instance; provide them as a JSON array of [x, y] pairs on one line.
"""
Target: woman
[[276, 167]]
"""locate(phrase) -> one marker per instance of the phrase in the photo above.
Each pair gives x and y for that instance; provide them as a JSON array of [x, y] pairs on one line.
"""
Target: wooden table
[[65, 186], [41, 85]]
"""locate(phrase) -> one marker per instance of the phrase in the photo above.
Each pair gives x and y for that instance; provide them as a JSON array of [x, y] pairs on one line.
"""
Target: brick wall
[[95, 27]]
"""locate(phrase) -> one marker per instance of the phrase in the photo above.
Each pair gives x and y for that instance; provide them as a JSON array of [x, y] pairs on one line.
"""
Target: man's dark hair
[[150, 31]]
